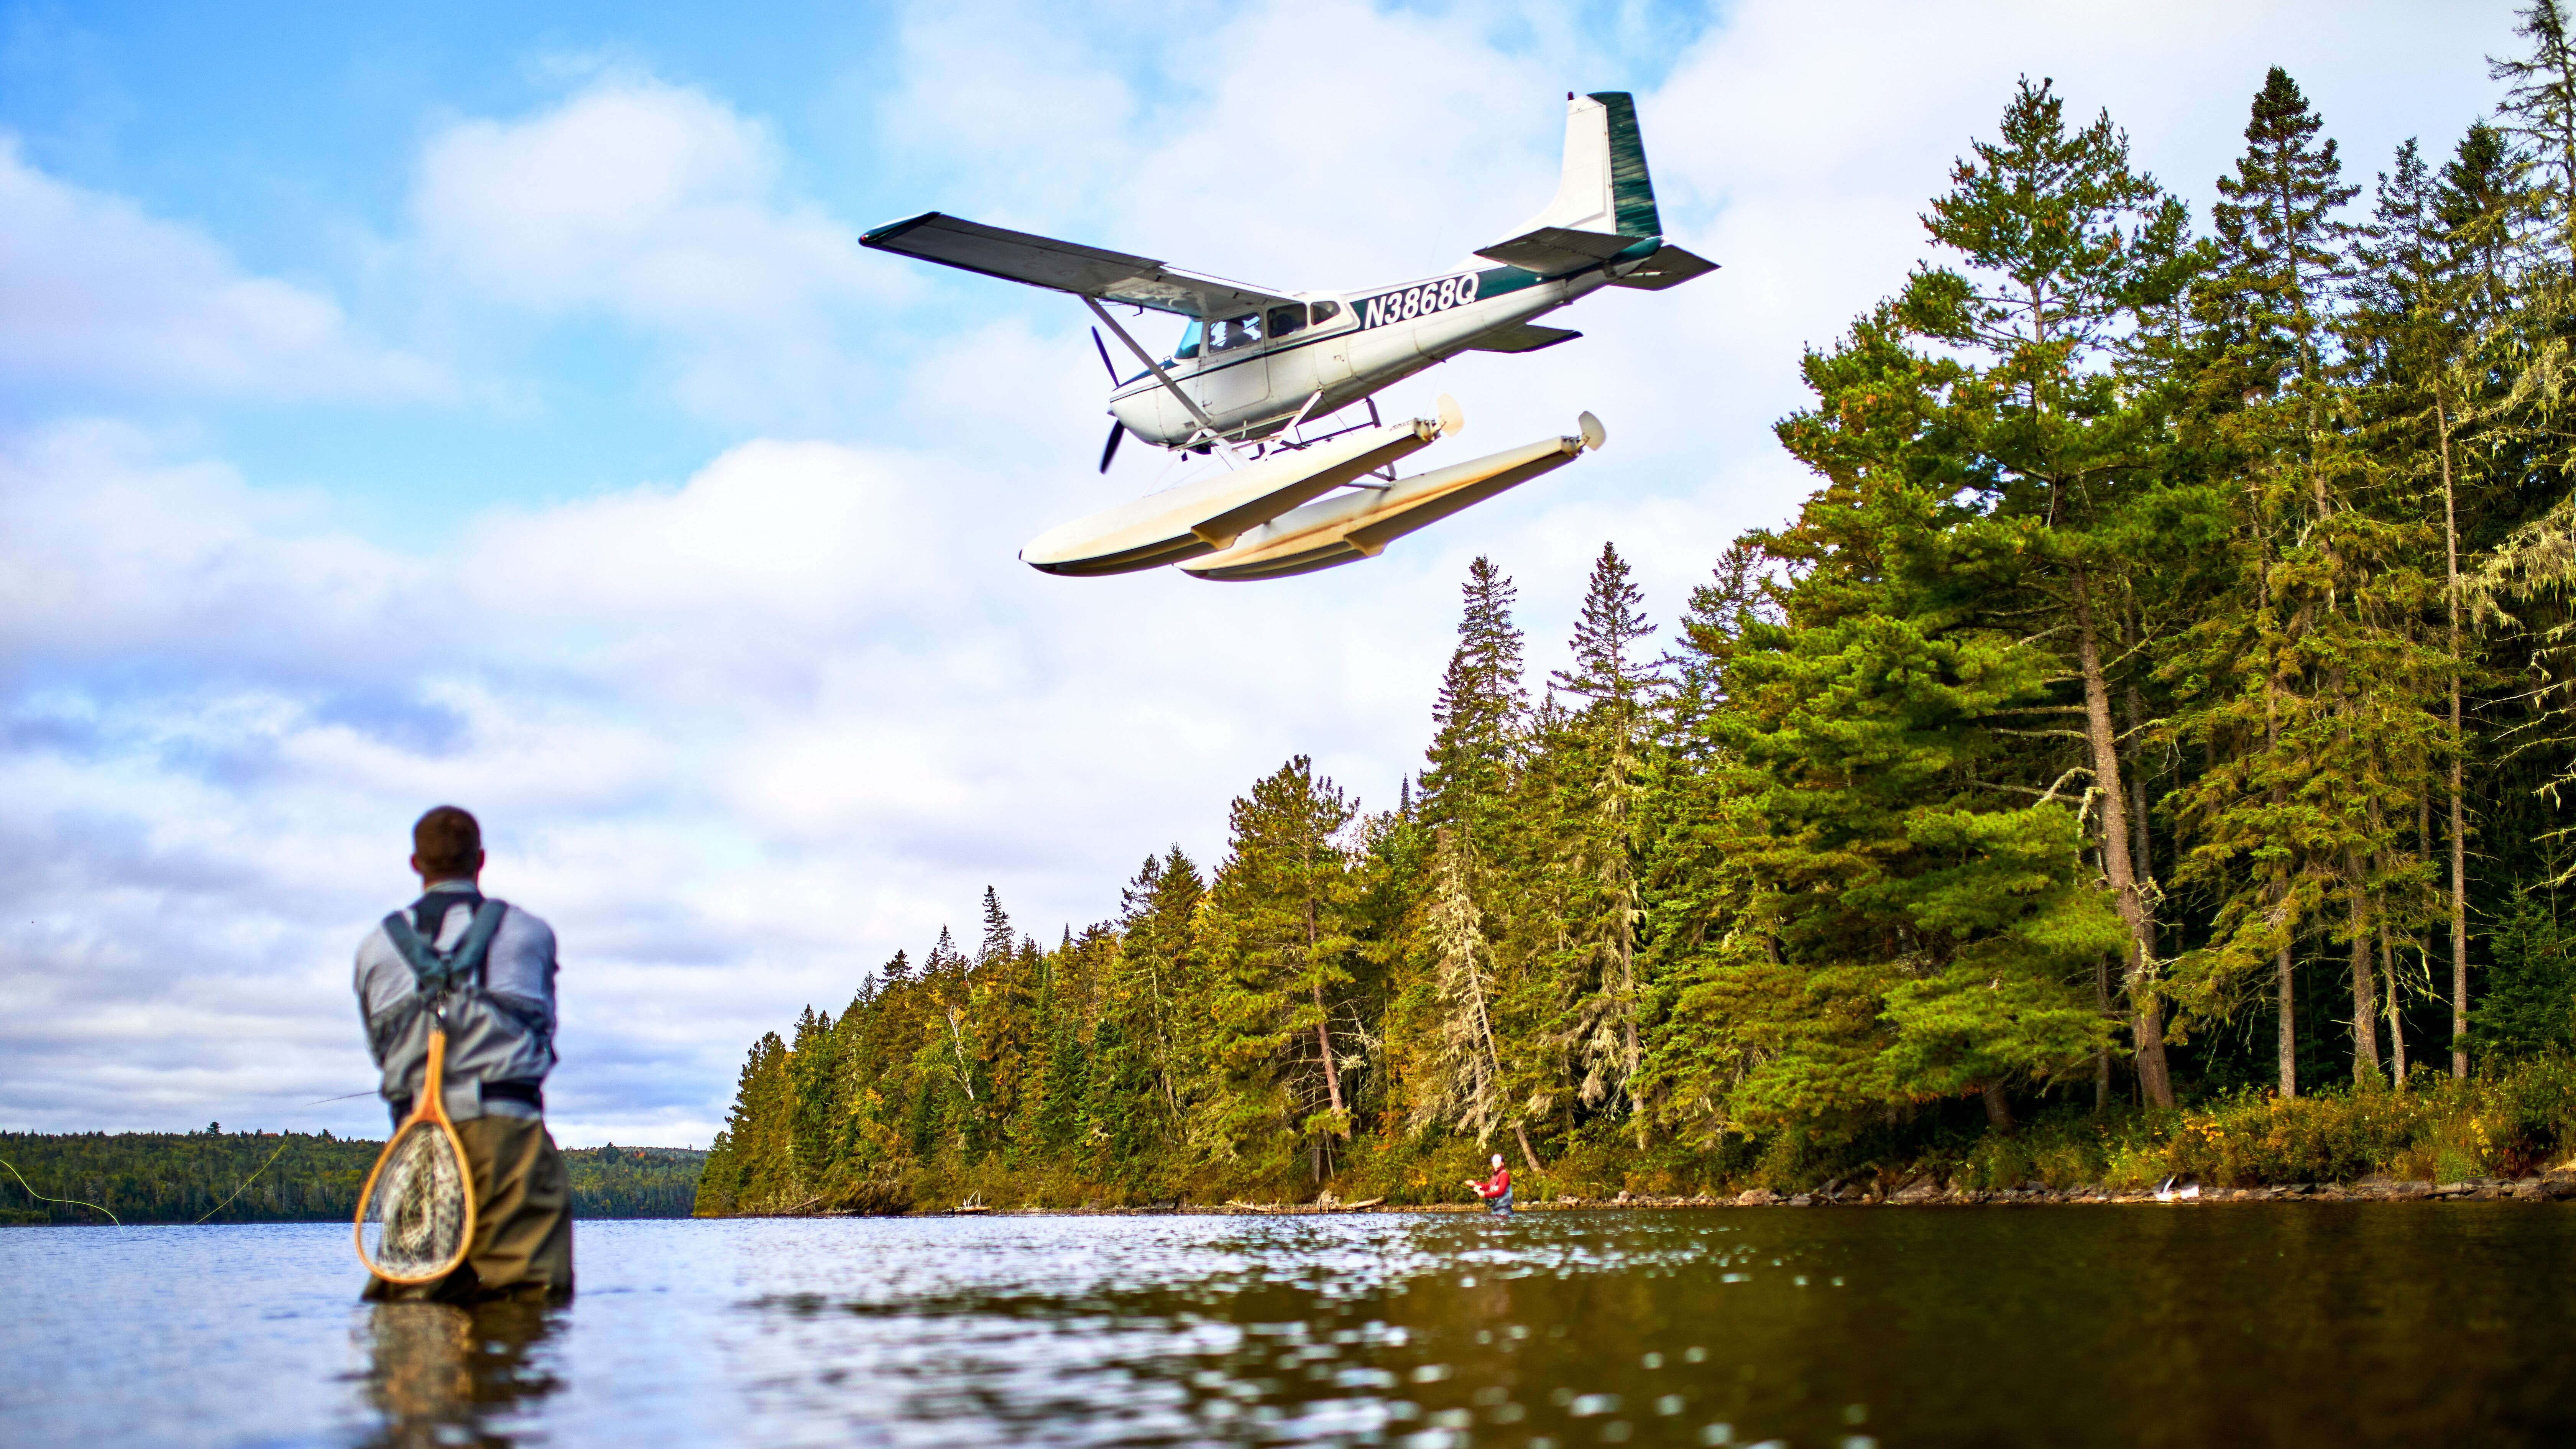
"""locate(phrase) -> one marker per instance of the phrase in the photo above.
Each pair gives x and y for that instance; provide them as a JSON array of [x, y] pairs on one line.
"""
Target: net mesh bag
[[413, 1224]]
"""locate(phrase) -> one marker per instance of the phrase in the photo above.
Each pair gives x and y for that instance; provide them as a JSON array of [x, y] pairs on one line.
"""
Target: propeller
[[1104, 356], [1117, 430]]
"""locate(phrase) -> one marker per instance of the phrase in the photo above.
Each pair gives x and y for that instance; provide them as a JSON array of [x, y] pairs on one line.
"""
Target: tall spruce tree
[[1480, 715], [1275, 922], [2063, 244], [1600, 778], [2540, 104], [2310, 808], [813, 1070]]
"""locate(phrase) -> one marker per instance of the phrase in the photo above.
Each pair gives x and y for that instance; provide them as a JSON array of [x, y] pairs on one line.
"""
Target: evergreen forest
[[269, 1177], [2152, 730]]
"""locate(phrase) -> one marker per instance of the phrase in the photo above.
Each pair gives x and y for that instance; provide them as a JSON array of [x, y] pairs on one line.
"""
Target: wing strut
[[1156, 368]]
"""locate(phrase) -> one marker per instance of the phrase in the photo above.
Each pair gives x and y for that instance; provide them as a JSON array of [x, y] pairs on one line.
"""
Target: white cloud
[[95, 292], [658, 207]]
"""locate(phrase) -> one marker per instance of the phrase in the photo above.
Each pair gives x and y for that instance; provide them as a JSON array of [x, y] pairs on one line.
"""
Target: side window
[[1323, 312], [1284, 320], [1235, 332]]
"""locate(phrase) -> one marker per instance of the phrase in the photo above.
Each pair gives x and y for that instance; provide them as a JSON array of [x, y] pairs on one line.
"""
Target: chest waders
[[415, 1219]]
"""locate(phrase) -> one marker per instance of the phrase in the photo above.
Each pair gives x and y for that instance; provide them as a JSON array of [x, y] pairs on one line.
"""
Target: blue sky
[[406, 405]]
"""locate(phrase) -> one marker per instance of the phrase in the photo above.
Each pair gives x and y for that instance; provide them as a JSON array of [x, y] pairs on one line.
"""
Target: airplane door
[[1298, 355], [1234, 380]]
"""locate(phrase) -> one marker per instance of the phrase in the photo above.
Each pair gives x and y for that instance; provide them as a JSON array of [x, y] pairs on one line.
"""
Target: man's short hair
[[447, 840]]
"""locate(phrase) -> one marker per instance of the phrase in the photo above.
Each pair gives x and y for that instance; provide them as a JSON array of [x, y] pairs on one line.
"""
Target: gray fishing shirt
[[502, 1032]]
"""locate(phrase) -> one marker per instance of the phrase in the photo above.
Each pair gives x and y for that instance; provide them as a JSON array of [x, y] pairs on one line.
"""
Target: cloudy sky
[[406, 404]]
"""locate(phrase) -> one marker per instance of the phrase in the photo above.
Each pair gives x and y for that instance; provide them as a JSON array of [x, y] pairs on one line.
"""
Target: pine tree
[[2282, 244], [2063, 244], [1479, 717], [1464, 1084], [2540, 104], [1604, 746], [1158, 970], [815, 1079], [1276, 936], [2321, 725]]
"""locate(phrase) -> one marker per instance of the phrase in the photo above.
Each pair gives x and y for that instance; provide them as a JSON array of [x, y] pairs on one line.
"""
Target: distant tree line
[[180, 1177], [2165, 693]]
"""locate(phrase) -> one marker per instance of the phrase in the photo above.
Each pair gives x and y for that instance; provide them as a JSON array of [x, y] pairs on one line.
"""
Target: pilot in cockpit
[[1231, 333], [1236, 332]]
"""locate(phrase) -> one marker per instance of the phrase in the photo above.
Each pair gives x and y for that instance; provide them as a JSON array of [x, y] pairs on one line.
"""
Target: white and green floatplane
[[1259, 376]]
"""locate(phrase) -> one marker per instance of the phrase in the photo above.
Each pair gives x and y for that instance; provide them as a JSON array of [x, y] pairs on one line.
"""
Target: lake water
[[2418, 1323]]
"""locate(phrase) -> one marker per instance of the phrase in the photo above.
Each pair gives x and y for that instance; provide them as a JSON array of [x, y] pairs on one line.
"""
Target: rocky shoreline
[[2556, 1185]]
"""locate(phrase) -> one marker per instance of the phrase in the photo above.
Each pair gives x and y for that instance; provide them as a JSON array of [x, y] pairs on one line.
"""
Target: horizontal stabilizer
[[1355, 526], [1066, 266], [1549, 250], [1202, 517], [1670, 266], [1523, 337]]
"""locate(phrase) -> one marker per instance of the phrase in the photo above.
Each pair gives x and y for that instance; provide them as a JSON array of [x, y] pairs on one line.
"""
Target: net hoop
[[431, 1108]]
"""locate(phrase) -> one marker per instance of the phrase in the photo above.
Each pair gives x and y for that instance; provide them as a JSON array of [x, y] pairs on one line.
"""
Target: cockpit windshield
[[1251, 329]]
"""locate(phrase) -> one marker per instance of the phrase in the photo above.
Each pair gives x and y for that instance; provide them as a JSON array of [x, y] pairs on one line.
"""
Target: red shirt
[[1500, 1183]]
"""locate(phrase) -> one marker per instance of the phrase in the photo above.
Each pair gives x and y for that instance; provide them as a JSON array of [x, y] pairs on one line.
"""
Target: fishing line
[[40, 1197], [284, 1141]]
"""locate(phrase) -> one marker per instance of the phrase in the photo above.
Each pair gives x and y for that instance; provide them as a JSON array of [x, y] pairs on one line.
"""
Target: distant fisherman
[[500, 1044], [1496, 1190]]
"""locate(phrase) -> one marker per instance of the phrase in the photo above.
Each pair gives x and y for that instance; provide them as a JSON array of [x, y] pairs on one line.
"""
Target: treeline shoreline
[[2557, 1185], [2145, 744], [269, 1177]]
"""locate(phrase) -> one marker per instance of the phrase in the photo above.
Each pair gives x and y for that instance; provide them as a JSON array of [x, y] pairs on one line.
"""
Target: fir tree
[[1478, 719], [1276, 933], [2063, 244], [2540, 104], [1599, 993], [815, 1080]]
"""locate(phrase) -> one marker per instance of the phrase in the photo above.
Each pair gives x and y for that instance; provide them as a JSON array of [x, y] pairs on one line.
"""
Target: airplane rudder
[[1632, 189]]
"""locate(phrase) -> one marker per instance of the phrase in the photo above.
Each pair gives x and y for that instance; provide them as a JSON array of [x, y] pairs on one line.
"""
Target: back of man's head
[[447, 844]]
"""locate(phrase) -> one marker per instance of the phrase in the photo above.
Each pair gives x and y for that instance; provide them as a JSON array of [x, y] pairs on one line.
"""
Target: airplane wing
[[1670, 266], [1522, 337], [1552, 249], [1066, 266]]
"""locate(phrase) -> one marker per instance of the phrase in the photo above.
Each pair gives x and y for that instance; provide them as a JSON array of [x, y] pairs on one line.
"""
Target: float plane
[[1258, 374]]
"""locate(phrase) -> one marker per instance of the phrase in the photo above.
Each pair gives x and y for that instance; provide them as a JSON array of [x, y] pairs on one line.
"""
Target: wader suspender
[[439, 972]]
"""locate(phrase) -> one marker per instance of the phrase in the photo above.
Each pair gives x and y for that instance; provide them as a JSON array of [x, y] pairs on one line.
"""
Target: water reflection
[[443, 1376], [2343, 1324], [1844, 1329]]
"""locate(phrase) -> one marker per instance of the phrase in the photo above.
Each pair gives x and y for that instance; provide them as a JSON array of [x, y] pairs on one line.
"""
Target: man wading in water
[[500, 1044], [1496, 1190]]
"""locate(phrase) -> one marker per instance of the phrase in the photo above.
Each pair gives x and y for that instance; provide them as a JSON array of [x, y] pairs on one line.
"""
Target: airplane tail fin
[[1604, 187]]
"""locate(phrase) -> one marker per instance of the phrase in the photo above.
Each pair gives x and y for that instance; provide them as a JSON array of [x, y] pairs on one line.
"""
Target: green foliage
[[2504, 1123], [293, 1177], [2530, 1001]]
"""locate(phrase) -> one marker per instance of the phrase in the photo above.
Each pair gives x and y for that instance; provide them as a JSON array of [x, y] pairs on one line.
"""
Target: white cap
[[1498, 1159]]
